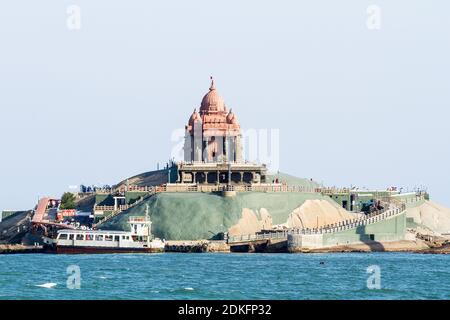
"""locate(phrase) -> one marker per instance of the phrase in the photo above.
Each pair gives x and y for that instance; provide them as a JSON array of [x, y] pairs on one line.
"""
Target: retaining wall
[[390, 229]]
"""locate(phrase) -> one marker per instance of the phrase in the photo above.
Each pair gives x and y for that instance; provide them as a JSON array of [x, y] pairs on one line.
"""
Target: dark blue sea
[[225, 276]]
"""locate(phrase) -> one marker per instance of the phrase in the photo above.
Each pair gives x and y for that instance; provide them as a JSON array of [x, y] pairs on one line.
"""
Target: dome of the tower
[[231, 118], [212, 101], [195, 116]]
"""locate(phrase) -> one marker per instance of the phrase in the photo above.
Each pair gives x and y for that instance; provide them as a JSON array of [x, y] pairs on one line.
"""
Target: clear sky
[[353, 103]]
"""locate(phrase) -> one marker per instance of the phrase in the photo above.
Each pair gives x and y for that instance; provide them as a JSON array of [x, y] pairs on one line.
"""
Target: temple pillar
[[238, 149], [187, 146]]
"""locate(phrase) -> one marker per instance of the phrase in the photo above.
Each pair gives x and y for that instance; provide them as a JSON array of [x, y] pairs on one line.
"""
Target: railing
[[104, 208], [122, 207], [240, 188], [214, 164], [135, 189], [263, 187], [119, 209], [99, 191], [336, 227], [418, 197], [135, 219], [329, 191], [175, 187], [277, 187]]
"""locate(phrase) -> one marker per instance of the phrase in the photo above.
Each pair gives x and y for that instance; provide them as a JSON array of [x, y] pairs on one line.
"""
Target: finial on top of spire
[[212, 84]]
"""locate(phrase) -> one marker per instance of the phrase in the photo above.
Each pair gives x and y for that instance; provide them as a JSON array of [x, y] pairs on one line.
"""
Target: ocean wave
[[48, 285]]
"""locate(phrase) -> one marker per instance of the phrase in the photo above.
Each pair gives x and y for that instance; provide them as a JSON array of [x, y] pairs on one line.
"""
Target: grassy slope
[[292, 181], [190, 216]]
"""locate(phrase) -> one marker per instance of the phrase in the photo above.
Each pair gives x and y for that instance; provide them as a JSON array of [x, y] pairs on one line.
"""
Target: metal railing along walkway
[[336, 227]]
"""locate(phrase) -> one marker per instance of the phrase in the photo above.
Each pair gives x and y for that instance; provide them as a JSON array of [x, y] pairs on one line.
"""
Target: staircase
[[391, 208]]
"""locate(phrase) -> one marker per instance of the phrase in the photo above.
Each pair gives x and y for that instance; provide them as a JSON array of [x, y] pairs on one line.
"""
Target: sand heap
[[318, 213], [432, 216], [310, 214], [251, 222]]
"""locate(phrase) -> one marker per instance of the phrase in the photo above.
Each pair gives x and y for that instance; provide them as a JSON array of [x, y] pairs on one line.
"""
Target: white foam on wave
[[189, 289], [47, 285]]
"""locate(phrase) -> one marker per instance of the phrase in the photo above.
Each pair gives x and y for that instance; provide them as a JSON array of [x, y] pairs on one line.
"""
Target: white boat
[[139, 239]]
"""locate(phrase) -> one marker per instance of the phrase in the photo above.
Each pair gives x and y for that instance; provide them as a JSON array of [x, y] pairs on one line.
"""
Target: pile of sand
[[432, 216], [311, 214], [252, 222], [318, 213]]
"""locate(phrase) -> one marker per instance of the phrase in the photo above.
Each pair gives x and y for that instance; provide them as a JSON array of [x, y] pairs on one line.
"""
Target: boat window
[[63, 236], [116, 238], [99, 237], [108, 238], [71, 236], [80, 236], [89, 237]]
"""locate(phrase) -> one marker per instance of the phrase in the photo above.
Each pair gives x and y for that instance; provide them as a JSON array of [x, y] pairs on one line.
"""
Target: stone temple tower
[[213, 134]]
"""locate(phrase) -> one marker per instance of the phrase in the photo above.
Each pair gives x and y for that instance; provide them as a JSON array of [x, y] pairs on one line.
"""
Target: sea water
[[225, 276]]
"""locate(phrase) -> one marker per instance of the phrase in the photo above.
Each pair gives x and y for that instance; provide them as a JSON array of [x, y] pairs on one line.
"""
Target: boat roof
[[94, 231]]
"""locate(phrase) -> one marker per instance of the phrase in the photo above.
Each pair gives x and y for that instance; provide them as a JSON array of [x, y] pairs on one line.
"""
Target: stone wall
[[390, 229]]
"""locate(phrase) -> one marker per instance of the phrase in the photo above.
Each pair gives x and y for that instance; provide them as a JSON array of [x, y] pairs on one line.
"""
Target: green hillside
[[292, 180], [191, 216]]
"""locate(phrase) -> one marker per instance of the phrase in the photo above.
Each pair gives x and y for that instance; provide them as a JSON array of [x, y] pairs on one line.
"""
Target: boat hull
[[103, 250]]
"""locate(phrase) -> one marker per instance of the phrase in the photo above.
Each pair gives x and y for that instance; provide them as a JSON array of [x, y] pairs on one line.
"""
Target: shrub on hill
[[67, 201]]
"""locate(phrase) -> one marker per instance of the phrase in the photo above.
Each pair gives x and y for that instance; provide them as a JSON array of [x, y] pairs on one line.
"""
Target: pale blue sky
[[353, 105]]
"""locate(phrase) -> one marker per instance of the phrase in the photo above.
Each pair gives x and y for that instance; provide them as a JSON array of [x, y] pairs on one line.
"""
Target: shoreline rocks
[[19, 249]]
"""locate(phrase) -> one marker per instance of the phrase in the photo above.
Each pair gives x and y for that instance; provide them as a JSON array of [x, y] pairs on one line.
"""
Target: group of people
[[93, 188]]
